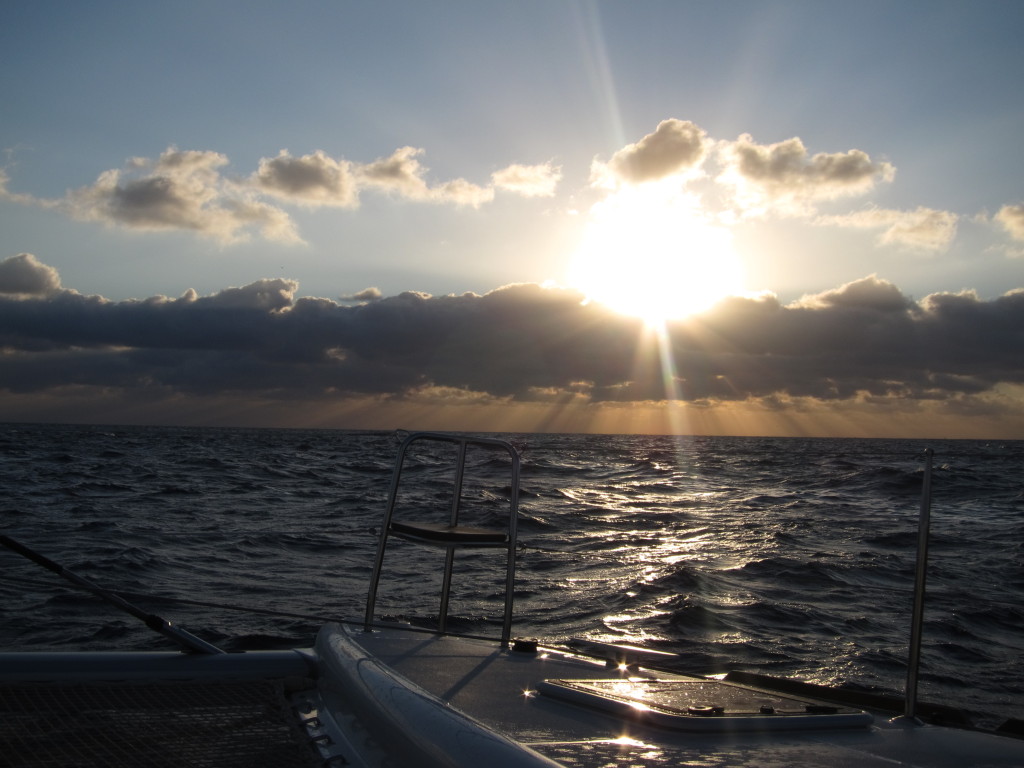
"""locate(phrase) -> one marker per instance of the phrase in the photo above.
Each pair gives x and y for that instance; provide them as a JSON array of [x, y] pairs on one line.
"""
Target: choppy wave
[[787, 556]]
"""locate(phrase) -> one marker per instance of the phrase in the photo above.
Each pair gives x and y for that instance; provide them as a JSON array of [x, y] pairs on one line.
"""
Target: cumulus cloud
[[24, 276], [519, 344], [179, 190], [744, 179], [922, 228], [675, 147], [868, 293], [786, 174], [1011, 217], [188, 190], [313, 179]]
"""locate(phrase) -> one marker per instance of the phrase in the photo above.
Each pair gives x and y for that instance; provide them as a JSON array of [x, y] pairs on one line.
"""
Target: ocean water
[[792, 557]]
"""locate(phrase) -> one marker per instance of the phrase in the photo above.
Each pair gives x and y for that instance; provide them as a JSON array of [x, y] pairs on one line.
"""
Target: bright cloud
[[787, 177], [462, 192], [675, 146], [528, 180], [923, 228], [743, 178], [1011, 217]]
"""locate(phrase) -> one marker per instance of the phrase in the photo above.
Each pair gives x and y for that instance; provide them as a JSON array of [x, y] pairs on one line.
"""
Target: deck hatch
[[703, 705]]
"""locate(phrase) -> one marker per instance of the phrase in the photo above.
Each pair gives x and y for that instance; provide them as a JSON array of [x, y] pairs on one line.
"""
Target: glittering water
[[787, 556]]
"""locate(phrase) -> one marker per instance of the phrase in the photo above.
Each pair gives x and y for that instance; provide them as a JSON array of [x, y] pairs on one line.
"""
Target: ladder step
[[450, 534]]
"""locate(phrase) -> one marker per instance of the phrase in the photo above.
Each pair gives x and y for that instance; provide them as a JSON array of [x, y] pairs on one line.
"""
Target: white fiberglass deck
[[498, 689]]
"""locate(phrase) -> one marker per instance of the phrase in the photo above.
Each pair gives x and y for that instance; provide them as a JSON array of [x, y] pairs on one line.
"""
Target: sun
[[654, 255]]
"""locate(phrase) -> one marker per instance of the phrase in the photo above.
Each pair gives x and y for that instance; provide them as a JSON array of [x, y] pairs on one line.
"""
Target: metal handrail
[[462, 441], [920, 577]]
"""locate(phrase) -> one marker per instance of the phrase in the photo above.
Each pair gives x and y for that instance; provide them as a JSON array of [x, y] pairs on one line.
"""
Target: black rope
[[245, 609], [185, 601], [158, 624]]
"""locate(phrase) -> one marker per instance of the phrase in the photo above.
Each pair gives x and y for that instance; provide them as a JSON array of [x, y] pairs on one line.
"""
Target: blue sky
[[362, 150]]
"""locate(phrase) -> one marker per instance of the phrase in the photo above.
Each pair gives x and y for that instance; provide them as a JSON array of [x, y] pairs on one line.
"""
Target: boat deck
[[500, 690]]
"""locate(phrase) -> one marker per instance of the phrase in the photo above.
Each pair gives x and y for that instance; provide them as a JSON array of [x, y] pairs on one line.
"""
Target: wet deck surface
[[220, 724]]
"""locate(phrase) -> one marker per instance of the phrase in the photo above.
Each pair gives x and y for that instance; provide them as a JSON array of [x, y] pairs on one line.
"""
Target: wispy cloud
[[922, 228], [23, 199], [402, 173], [528, 180]]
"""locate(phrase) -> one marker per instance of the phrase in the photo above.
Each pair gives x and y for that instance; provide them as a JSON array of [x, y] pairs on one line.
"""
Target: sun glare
[[654, 255]]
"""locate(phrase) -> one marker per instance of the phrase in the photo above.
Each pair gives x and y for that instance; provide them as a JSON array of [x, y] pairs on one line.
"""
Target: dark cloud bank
[[518, 344]]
